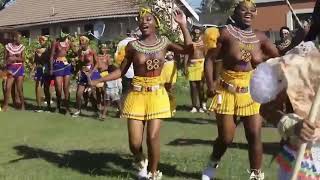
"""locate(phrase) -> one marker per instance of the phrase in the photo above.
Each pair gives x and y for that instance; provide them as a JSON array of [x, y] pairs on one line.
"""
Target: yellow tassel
[[120, 55]]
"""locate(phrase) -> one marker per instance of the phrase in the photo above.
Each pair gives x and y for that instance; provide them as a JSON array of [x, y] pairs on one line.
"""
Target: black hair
[[283, 28]]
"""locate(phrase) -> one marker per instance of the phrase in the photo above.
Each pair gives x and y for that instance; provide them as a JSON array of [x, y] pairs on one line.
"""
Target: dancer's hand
[[180, 17], [211, 92], [307, 131], [93, 83]]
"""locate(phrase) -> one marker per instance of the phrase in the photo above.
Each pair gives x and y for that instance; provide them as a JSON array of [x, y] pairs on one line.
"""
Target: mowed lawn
[[51, 146]]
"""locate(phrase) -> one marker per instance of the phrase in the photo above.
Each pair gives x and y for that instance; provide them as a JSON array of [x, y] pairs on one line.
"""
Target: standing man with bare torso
[[194, 70]]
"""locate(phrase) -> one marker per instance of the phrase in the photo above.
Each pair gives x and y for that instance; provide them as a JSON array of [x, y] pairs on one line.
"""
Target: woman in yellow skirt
[[147, 102], [169, 75], [241, 50]]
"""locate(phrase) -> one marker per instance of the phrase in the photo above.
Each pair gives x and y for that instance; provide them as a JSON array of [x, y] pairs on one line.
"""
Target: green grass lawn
[[49, 146]]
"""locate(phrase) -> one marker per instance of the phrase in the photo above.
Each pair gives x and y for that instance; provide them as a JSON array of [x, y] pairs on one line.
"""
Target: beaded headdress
[[146, 10], [84, 38], [247, 3]]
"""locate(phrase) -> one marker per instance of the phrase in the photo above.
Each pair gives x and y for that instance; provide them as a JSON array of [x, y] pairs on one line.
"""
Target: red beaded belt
[[232, 88], [145, 88]]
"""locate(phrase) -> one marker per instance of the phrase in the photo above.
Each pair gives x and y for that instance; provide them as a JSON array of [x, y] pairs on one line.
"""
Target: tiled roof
[[35, 12]]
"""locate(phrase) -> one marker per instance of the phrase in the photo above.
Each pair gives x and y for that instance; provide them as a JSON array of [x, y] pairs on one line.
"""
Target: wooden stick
[[294, 14], [312, 118]]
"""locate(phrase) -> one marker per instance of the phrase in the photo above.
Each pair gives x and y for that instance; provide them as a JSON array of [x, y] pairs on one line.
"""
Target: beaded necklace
[[151, 50], [13, 49], [283, 45], [246, 39]]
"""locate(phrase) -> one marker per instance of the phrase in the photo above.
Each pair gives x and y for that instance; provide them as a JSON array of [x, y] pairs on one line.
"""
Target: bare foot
[[4, 109]]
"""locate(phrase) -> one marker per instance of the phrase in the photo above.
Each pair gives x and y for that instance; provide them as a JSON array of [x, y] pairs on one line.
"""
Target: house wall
[[114, 27], [272, 16]]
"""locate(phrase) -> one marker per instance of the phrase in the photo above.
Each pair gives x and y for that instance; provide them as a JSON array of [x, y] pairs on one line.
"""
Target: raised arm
[[181, 19]]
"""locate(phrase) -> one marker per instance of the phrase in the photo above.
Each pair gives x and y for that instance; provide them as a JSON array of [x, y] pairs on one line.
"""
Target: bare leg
[[79, 95], [153, 142], [3, 87], [226, 130], [66, 86], [8, 90], [99, 99], [194, 94], [38, 94], [93, 98], [135, 132], [118, 104], [200, 87], [252, 126], [19, 85], [105, 109], [58, 86], [46, 88], [103, 104]]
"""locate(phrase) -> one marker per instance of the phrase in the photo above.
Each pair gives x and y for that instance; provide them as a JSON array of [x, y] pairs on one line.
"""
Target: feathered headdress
[[298, 72]]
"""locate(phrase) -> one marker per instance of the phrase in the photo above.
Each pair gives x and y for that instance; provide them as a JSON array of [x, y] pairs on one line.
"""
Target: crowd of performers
[[148, 72]]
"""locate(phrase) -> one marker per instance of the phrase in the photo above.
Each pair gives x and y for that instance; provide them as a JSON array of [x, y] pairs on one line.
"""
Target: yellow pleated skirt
[[143, 105], [169, 72], [195, 70], [229, 103]]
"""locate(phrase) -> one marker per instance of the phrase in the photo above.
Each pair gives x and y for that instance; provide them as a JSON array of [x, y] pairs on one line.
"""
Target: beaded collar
[[161, 44], [247, 37], [283, 45], [13, 49]]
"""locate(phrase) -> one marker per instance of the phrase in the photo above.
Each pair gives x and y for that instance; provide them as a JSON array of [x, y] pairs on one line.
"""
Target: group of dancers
[[52, 68], [236, 47]]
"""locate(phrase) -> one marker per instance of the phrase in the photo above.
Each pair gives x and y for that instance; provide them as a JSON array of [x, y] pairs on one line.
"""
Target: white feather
[[266, 83]]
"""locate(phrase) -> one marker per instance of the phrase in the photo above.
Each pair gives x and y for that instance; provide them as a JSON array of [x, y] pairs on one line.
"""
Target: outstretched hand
[[180, 17]]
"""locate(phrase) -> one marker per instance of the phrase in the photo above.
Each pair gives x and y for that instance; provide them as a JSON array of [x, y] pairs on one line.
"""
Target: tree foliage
[[3, 3], [164, 10], [216, 6]]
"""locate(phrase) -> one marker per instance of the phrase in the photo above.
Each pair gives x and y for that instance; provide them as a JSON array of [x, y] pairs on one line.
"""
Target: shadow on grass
[[192, 120], [183, 108], [268, 148], [102, 164]]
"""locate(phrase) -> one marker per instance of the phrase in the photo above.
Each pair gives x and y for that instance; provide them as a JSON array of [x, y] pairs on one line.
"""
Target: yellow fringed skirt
[[146, 105], [231, 103], [195, 70], [169, 72]]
